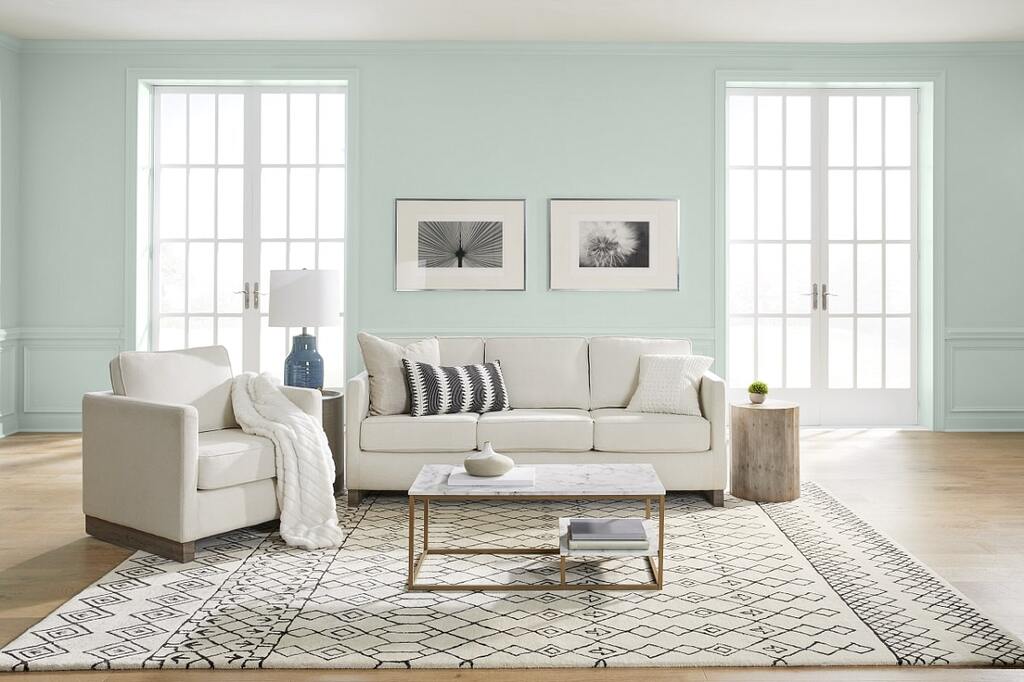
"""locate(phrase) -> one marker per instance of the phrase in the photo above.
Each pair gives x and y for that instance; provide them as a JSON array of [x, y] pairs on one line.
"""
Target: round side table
[[766, 451]]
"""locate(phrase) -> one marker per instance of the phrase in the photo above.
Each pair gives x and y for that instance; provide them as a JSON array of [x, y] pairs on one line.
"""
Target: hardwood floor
[[954, 500]]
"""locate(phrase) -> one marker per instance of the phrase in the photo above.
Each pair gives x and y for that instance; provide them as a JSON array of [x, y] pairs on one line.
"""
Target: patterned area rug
[[803, 583]]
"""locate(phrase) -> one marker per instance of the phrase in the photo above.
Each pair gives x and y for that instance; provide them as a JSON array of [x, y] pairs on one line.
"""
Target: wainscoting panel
[[8, 385], [985, 379]]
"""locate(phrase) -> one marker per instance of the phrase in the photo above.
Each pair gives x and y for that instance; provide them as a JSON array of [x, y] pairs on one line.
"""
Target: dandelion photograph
[[615, 244], [459, 244]]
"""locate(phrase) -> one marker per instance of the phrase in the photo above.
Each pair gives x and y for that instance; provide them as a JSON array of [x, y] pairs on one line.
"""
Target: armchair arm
[[140, 464], [712, 402], [309, 400]]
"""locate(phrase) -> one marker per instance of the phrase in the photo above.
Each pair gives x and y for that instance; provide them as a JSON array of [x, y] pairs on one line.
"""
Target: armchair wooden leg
[[355, 497], [116, 534], [715, 497]]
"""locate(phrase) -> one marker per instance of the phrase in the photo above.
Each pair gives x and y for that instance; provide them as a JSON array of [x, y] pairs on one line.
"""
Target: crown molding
[[357, 48]]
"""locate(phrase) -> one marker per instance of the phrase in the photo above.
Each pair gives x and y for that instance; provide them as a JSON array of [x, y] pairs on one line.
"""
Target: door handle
[[825, 293], [813, 295], [256, 295], [245, 296]]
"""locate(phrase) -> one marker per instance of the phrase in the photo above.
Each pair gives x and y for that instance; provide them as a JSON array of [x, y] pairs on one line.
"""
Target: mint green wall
[[10, 110], [533, 121]]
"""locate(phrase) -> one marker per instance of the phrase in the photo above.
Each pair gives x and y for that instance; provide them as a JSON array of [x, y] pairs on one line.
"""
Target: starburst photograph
[[615, 244], [459, 244]]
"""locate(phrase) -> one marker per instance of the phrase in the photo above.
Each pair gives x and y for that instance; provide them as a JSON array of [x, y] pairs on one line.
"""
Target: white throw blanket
[[305, 468]]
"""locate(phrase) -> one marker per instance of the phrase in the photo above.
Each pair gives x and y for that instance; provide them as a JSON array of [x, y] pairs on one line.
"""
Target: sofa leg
[[116, 534], [715, 497], [355, 497]]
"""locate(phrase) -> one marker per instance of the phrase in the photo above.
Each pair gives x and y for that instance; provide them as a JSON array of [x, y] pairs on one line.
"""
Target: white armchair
[[163, 460]]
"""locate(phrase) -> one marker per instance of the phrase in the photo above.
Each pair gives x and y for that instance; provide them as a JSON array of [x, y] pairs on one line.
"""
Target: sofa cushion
[[557, 430], [405, 433], [543, 371], [618, 430], [389, 393], [455, 350], [434, 389], [615, 360], [200, 377], [232, 457]]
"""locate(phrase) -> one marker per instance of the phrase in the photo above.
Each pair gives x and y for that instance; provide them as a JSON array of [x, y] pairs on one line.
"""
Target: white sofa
[[163, 460], [568, 398]]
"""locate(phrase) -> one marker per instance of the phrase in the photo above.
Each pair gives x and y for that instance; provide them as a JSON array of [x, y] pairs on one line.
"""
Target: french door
[[822, 252], [246, 180]]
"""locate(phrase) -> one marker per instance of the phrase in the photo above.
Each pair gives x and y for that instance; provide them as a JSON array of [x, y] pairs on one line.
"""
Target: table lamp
[[304, 298]]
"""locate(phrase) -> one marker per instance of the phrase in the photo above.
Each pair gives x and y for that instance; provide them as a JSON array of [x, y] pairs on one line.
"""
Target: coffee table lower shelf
[[655, 555]]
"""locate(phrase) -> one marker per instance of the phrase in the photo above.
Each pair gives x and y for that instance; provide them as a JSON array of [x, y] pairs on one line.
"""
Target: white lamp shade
[[305, 298]]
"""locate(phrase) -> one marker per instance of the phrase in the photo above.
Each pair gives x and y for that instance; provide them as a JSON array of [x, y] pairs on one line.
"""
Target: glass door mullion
[[250, 228]]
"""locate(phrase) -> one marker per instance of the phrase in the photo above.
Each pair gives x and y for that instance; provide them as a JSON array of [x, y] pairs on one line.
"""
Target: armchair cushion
[[232, 457], [200, 377]]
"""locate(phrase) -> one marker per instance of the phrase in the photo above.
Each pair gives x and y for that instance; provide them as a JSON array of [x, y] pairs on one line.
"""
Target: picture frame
[[613, 244], [460, 244]]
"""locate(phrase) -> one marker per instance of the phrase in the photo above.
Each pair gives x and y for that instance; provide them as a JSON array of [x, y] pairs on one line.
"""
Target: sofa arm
[[140, 464], [357, 408], [712, 403], [309, 400]]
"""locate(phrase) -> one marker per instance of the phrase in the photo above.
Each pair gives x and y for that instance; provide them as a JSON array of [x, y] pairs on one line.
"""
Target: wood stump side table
[[765, 451], [333, 417]]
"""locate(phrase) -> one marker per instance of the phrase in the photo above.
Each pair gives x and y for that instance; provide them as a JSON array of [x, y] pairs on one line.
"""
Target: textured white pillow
[[669, 384], [389, 394]]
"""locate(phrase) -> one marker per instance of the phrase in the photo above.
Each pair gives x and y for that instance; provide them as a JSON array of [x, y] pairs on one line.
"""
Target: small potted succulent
[[758, 392]]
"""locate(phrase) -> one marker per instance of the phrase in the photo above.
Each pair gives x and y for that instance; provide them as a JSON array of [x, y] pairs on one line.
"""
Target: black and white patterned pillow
[[449, 390]]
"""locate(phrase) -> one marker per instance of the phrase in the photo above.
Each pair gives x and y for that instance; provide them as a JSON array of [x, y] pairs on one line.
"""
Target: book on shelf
[[609, 544], [517, 477], [605, 530]]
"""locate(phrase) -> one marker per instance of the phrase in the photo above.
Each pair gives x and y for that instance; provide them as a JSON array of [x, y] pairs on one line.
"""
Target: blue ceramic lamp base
[[304, 367]]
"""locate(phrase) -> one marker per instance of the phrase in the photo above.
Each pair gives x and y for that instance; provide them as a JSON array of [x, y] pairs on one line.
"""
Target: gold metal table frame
[[657, 568]]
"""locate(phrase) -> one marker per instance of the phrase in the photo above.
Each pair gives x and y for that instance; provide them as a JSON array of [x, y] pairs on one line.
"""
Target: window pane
[[869, 204], [840, 352], [231, 129], [229, 335], [229, 277], [769, 130], [274, 344], [200, 203], [798, 352], [303, 128], [869, 278], [172, 203], [201, 128], [332, 203], [273, 128], [273, 256], [798, 204], [898, 267], [798, 131], [769, 350], [172, 128], [798, 278], [741, 351], [840, 204], [897, 204], [332, 257], [840, 278], [741, 204], [229, 203], [302, 255], [200, 277], [172, 278], [172, 333], [840, 131], [769, 278], [332, 128], [742, 282], [200, 331], [869, 352], [273, 203], [897, 130], [869, 130], [741, 130], [302, 203], [897, 352], [769, 204]]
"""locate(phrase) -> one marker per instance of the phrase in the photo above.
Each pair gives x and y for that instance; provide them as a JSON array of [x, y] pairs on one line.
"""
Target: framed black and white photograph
[[460, 244], [614, 244]]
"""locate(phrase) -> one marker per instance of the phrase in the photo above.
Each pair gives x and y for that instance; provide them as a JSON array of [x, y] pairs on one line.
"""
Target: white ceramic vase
[[487, 462], [757, 398]]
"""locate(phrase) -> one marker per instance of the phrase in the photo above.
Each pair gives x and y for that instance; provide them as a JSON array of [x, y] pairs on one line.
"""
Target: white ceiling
[[540, 20]]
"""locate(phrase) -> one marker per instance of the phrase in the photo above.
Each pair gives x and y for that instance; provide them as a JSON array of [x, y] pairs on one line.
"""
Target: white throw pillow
[[389, 394], [669, 384]]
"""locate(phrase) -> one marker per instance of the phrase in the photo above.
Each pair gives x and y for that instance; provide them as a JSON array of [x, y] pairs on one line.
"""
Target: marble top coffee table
[[552, 482]]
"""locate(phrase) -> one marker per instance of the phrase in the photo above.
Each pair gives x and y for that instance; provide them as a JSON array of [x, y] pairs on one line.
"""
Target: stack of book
[[608, 534]]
